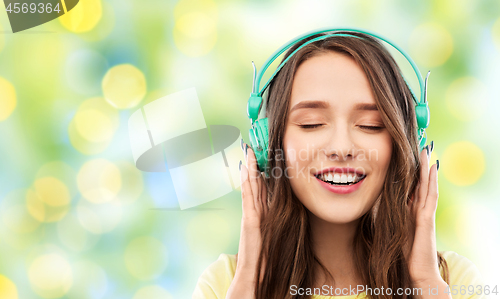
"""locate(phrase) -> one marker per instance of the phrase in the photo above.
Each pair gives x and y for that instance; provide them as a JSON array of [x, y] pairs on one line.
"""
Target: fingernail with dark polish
[[240, 165], [427, 149], [246, 149], [432, 145], [437, 162], [241, 144]]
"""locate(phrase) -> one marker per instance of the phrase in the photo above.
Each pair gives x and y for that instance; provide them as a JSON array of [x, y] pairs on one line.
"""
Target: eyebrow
[[310, 104], [365, 106], [324, 105]]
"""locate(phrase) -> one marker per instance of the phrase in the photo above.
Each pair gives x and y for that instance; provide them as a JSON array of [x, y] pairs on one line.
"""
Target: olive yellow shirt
[[464, 278]]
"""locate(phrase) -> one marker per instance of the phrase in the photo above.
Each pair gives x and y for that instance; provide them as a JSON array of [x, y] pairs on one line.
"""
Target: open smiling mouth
[[337, 179]]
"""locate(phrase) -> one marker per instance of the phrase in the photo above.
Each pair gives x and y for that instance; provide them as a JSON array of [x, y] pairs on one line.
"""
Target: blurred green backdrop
[[78, 220]]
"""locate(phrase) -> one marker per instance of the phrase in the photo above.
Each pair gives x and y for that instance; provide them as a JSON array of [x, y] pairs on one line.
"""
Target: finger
[[250, 158], [426, 221], [246, 193], [255, 189], [416, 194], [254, 174], [433, 193], [258, 194], [424, 177]]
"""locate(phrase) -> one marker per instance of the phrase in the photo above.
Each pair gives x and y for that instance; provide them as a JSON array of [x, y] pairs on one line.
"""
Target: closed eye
[[310, 126], [372, 128]]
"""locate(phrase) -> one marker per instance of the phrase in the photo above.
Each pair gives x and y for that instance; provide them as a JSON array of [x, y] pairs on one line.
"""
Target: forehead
[[333, 77]]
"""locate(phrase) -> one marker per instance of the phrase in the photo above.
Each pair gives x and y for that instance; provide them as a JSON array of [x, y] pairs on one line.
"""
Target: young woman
[[351, 213]]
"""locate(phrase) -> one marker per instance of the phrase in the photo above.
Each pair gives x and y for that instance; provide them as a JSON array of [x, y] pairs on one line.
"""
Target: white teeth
[[350, 177], [339, 178], [336, 178], [329, 177]]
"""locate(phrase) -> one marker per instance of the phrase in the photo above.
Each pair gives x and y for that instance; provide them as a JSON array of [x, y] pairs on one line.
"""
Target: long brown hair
[[380, 241]]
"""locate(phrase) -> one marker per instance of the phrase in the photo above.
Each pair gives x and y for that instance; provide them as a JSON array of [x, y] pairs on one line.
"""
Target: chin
[[338, 213], [338, 219]]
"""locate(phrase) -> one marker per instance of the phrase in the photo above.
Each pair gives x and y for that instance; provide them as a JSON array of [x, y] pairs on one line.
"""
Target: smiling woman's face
[[333, 121]]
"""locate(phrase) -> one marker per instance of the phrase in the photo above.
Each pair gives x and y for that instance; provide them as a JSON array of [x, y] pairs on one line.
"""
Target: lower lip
[[341, 189]]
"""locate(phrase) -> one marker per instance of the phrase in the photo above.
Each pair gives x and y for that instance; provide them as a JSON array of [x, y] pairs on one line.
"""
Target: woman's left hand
[[423, 259]]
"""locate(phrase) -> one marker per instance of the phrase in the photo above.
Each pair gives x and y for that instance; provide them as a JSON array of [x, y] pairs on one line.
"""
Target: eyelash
[[372, 128], [310, 126]]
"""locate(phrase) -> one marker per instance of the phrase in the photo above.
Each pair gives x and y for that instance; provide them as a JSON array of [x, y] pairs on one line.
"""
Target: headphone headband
[[257, 77]]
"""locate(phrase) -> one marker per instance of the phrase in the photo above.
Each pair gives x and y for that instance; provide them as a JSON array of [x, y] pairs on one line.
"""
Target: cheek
[[296, 159], [383, 155], [297, 151], [296, 165]]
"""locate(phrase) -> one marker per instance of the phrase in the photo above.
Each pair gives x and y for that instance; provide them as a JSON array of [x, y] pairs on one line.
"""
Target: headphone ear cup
[[423, 118], [259, 138], [423, 115]]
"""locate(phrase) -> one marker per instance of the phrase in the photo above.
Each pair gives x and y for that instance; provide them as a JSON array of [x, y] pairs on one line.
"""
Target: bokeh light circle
[[145, 258], [431, 44], [462, 163], [467, 98], [50, 276], [83, 17], [99, 218], [8, 289], [195, 33], [62, 172], [8, 99], [124, 86], [48, 200], [99, 180], [152, 291], [52, 191], [93, 126], [83, 145], [103, 28]]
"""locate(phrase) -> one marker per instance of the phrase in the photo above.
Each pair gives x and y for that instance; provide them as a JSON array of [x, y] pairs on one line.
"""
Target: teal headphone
[[259, 133]]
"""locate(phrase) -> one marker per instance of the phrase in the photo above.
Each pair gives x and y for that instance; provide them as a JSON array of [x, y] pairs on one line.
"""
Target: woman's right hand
[[254, 206]]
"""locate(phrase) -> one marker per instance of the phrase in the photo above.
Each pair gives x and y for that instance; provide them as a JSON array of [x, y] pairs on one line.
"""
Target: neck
[[333, 246]]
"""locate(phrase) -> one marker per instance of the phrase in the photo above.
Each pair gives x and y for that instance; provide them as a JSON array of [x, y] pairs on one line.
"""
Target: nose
[[340, 146]]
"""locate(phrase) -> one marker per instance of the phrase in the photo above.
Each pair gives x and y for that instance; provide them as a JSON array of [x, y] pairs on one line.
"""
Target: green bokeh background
[[138, 244]]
